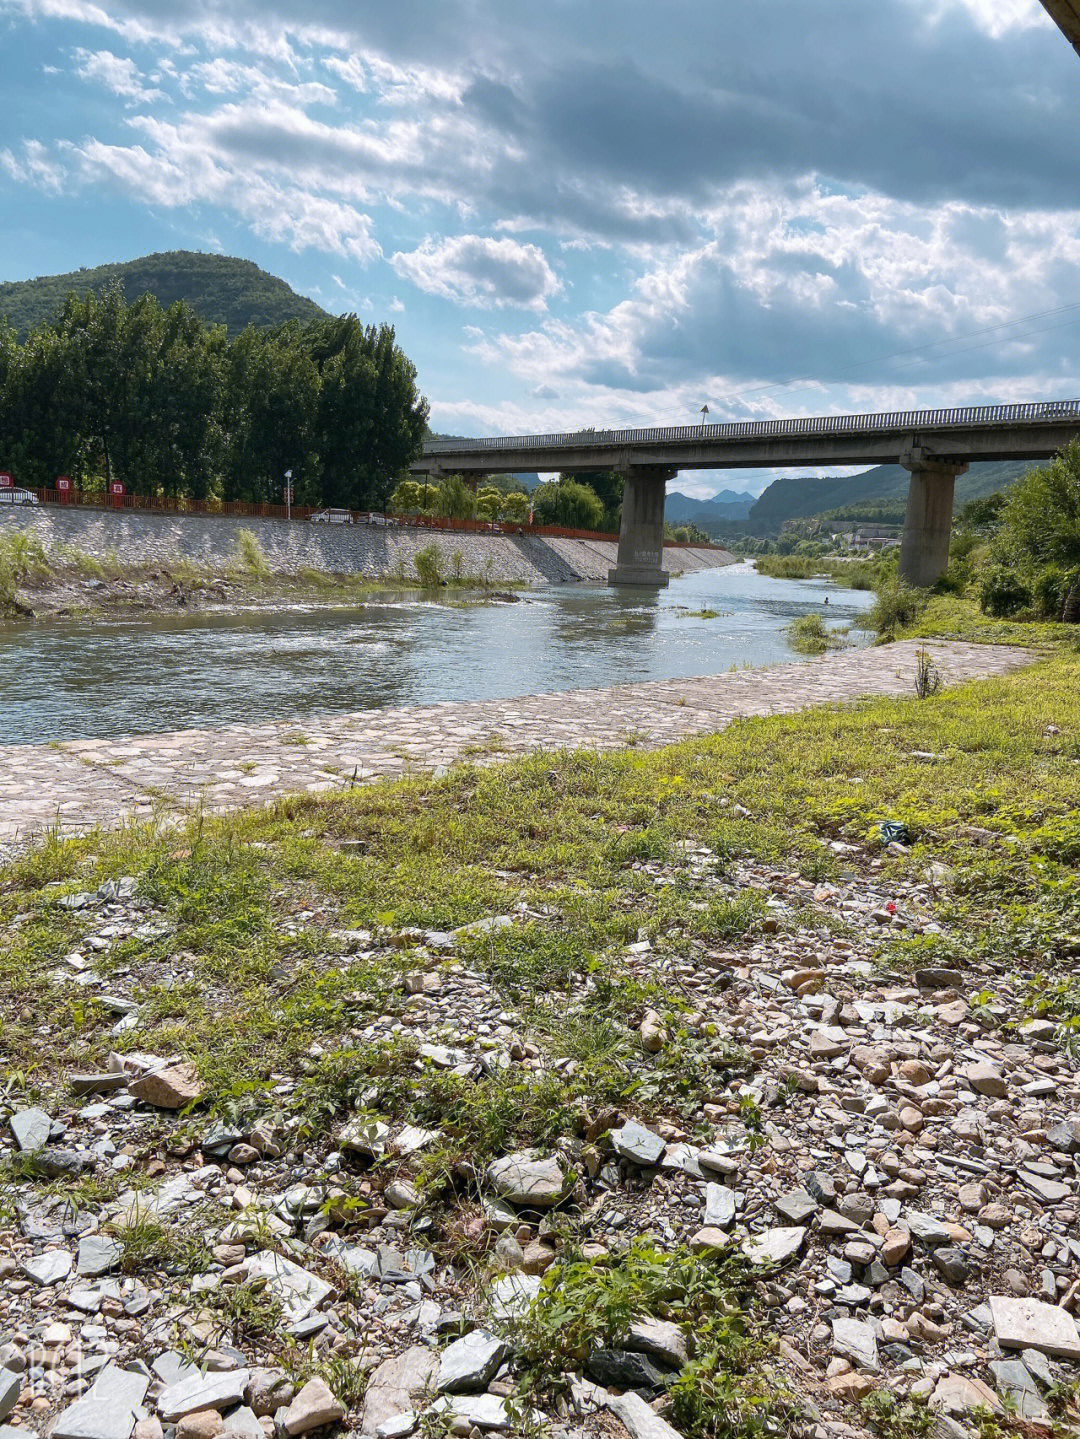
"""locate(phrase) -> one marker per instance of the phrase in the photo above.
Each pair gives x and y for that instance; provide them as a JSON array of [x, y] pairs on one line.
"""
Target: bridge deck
[[1025, 431]]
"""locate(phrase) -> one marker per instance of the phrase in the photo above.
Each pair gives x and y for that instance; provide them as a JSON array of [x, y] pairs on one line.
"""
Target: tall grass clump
[[251, 555], [897, 606], [809, 635], [22, 558], [429, 567]]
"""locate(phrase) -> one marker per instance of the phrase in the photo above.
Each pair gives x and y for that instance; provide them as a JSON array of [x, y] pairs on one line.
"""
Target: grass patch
[[250, 554], [583, 1305], [579, 840], [810, 635], [858, 574]]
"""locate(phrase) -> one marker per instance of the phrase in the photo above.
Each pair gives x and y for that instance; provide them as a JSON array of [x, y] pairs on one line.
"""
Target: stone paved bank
[[212, 540], [87, 782]]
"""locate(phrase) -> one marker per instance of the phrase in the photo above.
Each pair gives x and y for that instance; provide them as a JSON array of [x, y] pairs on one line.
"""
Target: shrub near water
[[22, 557], [429, 567], [809, 635], [897, 606], [251, 555]]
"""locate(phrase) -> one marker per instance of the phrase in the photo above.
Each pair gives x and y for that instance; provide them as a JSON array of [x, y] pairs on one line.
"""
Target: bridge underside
[[1066, 15], [934, 454]]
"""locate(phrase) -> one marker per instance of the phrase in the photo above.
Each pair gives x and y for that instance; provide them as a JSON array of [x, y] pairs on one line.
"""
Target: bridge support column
[[924, 549], [641, 534]]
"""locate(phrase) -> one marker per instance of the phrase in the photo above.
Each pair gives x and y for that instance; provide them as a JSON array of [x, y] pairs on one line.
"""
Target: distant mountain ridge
[[221, 289], [885, 486], [725, 507]]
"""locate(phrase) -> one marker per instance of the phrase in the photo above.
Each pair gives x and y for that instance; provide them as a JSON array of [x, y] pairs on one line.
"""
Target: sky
[[583, 214]]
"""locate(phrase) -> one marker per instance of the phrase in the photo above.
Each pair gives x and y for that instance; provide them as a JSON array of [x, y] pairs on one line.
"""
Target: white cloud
[[481, 271], [396, 84], [33, 166], [179, 172], [864, 301], [996, 17], [118, 73]]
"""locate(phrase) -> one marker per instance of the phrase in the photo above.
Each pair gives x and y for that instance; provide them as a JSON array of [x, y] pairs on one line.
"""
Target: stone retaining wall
[[147, 537]]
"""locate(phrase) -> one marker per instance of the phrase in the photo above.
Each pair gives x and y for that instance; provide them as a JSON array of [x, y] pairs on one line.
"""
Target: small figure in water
[[826, 599]]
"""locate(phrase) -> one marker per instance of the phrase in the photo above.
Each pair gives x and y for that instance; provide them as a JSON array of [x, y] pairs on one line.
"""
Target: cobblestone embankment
[[212, 541], [83, 783]]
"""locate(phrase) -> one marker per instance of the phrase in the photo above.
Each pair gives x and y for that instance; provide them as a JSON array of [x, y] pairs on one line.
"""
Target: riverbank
[[571, 1082], [74, 586], [199, 552], [80, 783]]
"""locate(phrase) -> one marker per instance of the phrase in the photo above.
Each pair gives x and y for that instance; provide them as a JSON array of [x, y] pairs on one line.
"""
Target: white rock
[[314, 1407], [300, 1291], [470, 1362], [640, 1420], [775, 1246], [529, 1178], [856, 1340], [1033, 1324]]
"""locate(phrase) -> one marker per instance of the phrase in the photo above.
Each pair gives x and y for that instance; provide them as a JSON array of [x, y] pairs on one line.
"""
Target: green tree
[[371, 419], [608, 486], [271, 398], [516, 507], [1038, 542], [568, 503], [1040, 523], [489, 504], [407, 499], [181, 444], [455, 501]]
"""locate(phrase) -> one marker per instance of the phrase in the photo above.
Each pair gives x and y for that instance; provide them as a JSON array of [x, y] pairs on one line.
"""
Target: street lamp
[[288, 494]]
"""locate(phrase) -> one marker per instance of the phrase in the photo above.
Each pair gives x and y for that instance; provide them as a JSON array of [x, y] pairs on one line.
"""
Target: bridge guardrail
[[1032, 413]]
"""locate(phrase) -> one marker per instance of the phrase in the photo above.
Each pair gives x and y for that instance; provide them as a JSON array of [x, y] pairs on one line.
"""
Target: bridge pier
[[641, 534], [924, 549]]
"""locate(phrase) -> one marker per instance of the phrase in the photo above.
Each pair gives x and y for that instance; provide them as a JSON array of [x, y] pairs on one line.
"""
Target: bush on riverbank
[[859, 574], [809, 635]]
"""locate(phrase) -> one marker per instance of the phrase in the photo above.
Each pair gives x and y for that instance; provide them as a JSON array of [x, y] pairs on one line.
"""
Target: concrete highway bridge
[[935, 445]]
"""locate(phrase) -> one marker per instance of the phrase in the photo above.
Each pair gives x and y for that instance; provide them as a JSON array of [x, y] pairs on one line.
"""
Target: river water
[[66, 681]]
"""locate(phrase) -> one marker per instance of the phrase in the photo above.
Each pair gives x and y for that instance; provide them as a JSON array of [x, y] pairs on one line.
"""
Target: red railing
[[94, 499]]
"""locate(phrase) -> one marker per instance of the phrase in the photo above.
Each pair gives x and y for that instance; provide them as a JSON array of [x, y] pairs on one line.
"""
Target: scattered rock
[[174, 1087], [530, 1179], [314, 1407], [1032, 1324], [470, 1363], [856, 1340], [31, 1128], [775, 1246], [638, 1145]]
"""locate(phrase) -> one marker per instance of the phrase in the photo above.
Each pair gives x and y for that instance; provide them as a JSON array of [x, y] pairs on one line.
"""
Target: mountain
[[724, 507], [219, 288], [880, 493]]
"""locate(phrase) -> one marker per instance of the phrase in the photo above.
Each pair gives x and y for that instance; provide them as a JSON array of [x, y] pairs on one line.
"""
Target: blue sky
[[579, 213]]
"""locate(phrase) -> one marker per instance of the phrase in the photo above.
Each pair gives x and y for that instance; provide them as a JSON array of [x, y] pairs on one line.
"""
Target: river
[[72, 680]]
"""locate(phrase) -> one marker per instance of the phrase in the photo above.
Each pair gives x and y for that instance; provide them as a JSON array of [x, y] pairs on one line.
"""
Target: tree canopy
[[1035, 552], [157, 399], [569, 503]]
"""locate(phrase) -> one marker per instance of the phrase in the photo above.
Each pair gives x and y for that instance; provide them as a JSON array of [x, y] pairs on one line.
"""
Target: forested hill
[[880, 493], [219, 288]]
